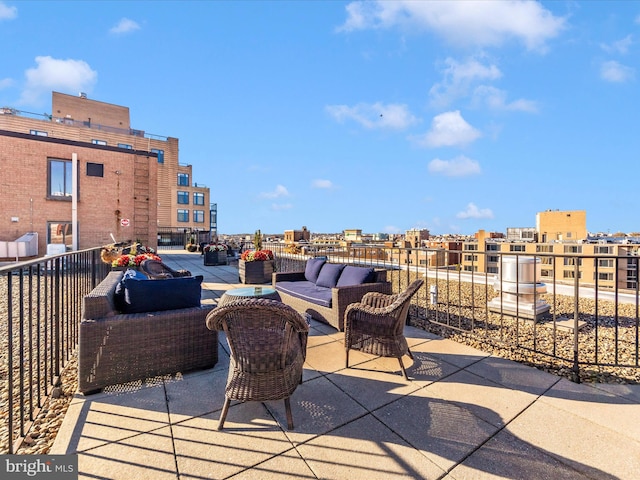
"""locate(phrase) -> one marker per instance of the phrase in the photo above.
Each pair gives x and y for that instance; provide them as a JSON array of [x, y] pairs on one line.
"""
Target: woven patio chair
[[375, 325], [268, 343], [157, 270]]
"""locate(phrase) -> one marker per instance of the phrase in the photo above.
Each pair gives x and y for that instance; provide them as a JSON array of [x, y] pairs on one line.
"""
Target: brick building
[[128, 184]]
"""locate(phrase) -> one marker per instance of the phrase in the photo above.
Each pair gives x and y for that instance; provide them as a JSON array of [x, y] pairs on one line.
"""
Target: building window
[[516, 248], [605, 276], [493, 258], [605, 262], [183, 198], [183, 215], [602, 250], [572, 249], [546, 273], [59, 233], [544, 248], [59, 179], [492, 247], [160, 155], [198, 198], [183, 179], [471, 246], [492, 270], [546, 260], [95, 169], [39, 133], [198, 216], [125, 145], [98, 142], [572, 261]]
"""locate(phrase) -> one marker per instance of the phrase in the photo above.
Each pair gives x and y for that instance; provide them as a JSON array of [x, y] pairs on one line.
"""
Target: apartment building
[[292, 236], [603, 262], [82, 177]]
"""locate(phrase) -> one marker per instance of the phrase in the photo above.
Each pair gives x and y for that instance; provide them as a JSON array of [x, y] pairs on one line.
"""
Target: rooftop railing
[[39, 319]]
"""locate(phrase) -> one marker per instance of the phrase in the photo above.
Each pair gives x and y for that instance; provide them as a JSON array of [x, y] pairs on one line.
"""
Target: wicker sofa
[[326, 299], [116, 348]]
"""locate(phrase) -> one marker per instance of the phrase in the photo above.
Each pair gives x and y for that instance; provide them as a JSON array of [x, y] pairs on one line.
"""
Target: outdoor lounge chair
[[268, 344], [375, 325]]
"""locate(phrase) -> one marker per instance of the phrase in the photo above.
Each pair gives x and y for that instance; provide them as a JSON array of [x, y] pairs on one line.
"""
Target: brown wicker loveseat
[[116, 348], [324, 290]]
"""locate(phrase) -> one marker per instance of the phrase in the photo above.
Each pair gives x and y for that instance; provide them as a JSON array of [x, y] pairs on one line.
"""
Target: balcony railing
[[39, 319]]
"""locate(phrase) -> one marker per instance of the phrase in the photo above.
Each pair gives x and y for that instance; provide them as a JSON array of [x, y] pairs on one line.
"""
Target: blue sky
[[452, 116]]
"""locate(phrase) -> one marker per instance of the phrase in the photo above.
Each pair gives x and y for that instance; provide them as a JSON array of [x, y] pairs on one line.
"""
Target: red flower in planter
[[256, 255]]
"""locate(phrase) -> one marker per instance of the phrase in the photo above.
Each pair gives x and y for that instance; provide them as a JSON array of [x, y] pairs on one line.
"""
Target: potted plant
[[256, 266], [215, 254]]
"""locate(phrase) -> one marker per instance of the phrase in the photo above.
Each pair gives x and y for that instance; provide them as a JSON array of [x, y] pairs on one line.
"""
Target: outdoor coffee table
[[235, 294]]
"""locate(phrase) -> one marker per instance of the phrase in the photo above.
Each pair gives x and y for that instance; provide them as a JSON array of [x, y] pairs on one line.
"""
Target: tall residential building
[[567, 225], [82, 177]]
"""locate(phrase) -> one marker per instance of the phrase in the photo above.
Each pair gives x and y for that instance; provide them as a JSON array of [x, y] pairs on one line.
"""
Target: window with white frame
[[198, 216], [198, 198]]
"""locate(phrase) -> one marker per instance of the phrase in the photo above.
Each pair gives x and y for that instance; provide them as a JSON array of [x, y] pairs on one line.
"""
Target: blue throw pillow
[[119, 294], [329, 274], [157, 295], [312, 269], [355, 276]]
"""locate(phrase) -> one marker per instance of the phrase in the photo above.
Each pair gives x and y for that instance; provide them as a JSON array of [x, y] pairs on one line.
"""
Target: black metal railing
[[39, 321], [560, 320]]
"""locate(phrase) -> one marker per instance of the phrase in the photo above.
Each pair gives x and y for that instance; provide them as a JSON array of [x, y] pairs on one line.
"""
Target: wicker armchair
[[157, 270], [268, 343], [375, 325]]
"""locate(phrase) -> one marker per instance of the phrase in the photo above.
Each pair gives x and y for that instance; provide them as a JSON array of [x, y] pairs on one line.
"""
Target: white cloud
[[280, 191], [6, 83], [613, 71], [496, 99], [460, 166], [476, 24], [125, 25], [449, 129], [52, 74], [391, 229], [374, 115], [458, 78], [320, 183], [621, 46], [281, 206], [472, 211], [7, 12]]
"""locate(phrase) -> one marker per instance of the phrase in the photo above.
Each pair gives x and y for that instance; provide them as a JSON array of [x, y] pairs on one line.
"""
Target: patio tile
[[493, 403], [371, 388], [111, 417], [330, 357], [594, 450], [452, 352], [366, 449], [597, 406], [143, 457], [505, 456], [250, 437], [196, 394], [318, 406], [286, 466], [444, 432], [514, 375]]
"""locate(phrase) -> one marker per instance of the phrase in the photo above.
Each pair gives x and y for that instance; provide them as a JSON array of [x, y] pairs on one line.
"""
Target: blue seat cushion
[[308, 291], [329, 274], [312, 268], [355, 276], [158, 295], [119, 294]]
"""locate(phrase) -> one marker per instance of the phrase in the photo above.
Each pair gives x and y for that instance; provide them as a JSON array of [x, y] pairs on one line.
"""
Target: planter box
[[215, 258], [255, 272]]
